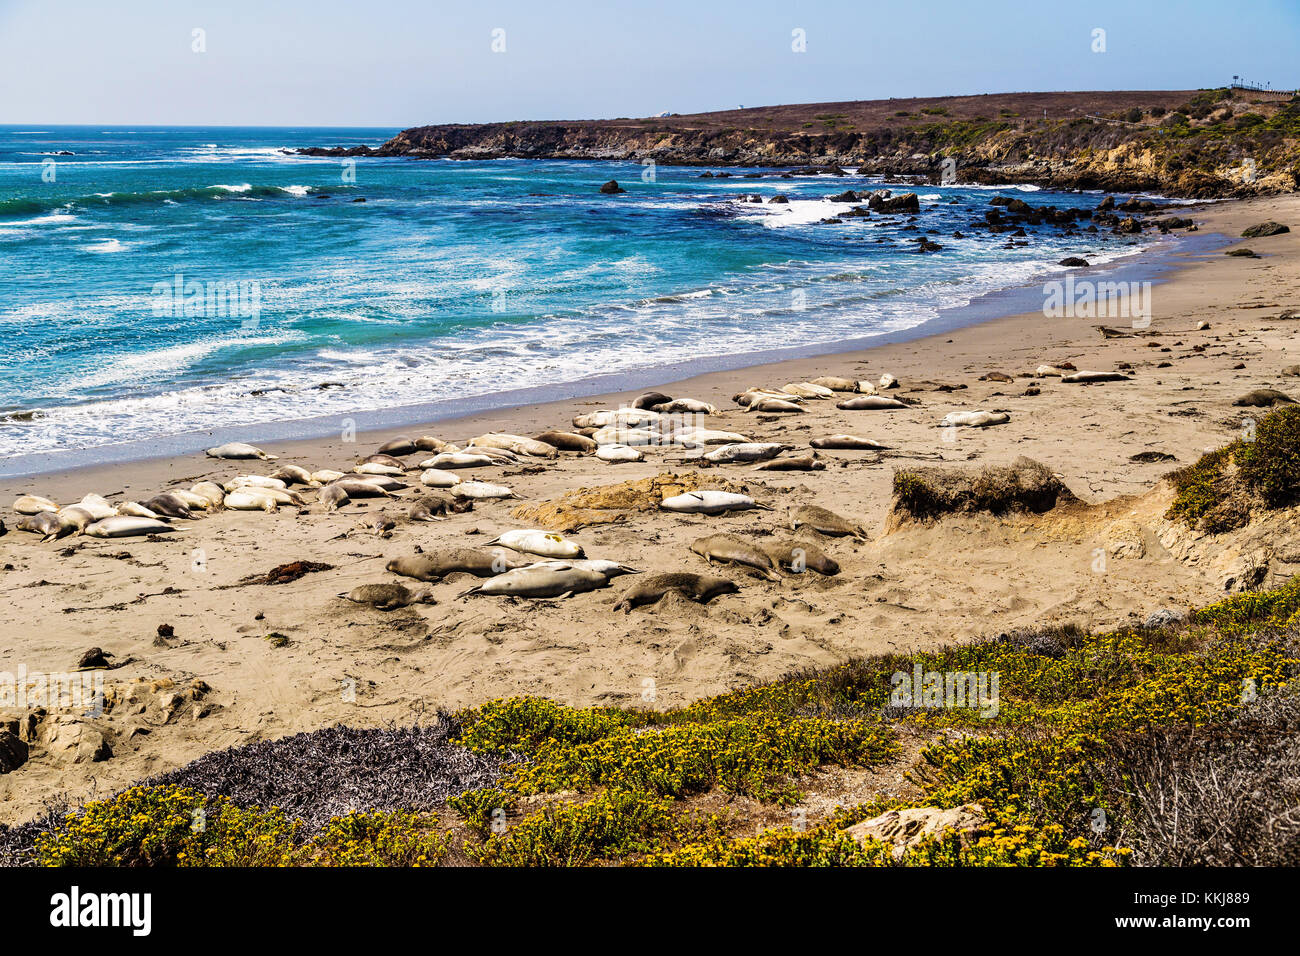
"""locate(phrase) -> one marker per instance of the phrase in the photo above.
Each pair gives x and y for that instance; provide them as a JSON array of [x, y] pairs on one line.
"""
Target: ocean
[[168, 282]]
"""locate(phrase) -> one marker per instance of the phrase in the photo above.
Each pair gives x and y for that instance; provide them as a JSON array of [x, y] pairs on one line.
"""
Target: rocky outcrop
[[907, 828], [1080, 144], [1269, 228]]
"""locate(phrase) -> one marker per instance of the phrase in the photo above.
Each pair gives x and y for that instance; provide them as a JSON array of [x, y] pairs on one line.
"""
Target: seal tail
[[762, 507], [473, 590]]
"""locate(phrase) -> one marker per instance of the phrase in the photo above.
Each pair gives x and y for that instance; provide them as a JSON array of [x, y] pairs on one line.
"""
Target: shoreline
[[179, 612], [1157, 263]]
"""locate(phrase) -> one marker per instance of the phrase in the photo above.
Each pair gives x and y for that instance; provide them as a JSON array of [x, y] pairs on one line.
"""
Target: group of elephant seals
[[826, 522], [701, 588]]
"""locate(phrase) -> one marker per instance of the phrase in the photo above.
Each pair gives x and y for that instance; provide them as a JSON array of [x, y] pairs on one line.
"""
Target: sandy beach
[[213, 679]]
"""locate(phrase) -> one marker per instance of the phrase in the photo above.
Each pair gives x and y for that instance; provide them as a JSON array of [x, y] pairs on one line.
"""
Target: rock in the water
[[907, 828], [612, 187], [1073, 262], [1242, 253], [1262, 229]]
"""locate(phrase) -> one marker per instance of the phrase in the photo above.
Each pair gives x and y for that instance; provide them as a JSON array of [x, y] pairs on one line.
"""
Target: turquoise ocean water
[[164, 281]]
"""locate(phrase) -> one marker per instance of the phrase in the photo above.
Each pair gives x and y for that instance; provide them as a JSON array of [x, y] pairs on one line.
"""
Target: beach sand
[[1113, 560]]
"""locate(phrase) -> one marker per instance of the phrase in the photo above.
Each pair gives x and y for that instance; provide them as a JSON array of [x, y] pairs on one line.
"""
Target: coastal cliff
[[1196, 144]]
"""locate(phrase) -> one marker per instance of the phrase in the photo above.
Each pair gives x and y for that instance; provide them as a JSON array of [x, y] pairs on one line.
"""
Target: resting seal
[[702, 588]]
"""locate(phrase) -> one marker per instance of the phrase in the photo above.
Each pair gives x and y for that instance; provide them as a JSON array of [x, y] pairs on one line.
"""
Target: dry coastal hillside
[[1193, 143]]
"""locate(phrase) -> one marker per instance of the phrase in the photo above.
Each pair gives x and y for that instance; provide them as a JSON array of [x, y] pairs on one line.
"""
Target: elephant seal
[[249, 500], [137, 510], [651, 399], [378, 468], [458, 459], [729, 549], [1095, 377], [615, 453], [799, 556], [237, 451], [627, 417], [210, 490], [387, 596], [169, 505], [515, 443], [381, 523], [380, 458], [429, 443], [548, 544], [541, 581], [326, 475], [697, 587], [437, 478], [611, 569], [776, 405], [888, 381], [745, 451], [360, 488], [803, 463], [436, 565], [295, 475], [124, 526], [82, 518], [1264, 398], [835, 384], [436, 507], [399, 446], [33, 505], [826, 522], [481, 490], [709, 502], [50, 525], [751, 395], [690, 406], [190, 499], [847, 442], [98, 506], [975, 419], [869, 403], [254, 481], [333, 497], [568, 441], [807, 390]]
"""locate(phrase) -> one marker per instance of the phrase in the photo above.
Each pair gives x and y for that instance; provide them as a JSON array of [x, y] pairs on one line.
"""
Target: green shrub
[[616, 823]]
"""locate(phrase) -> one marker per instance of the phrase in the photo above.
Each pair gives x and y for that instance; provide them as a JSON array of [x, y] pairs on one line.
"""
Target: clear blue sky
[[407, 62]]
